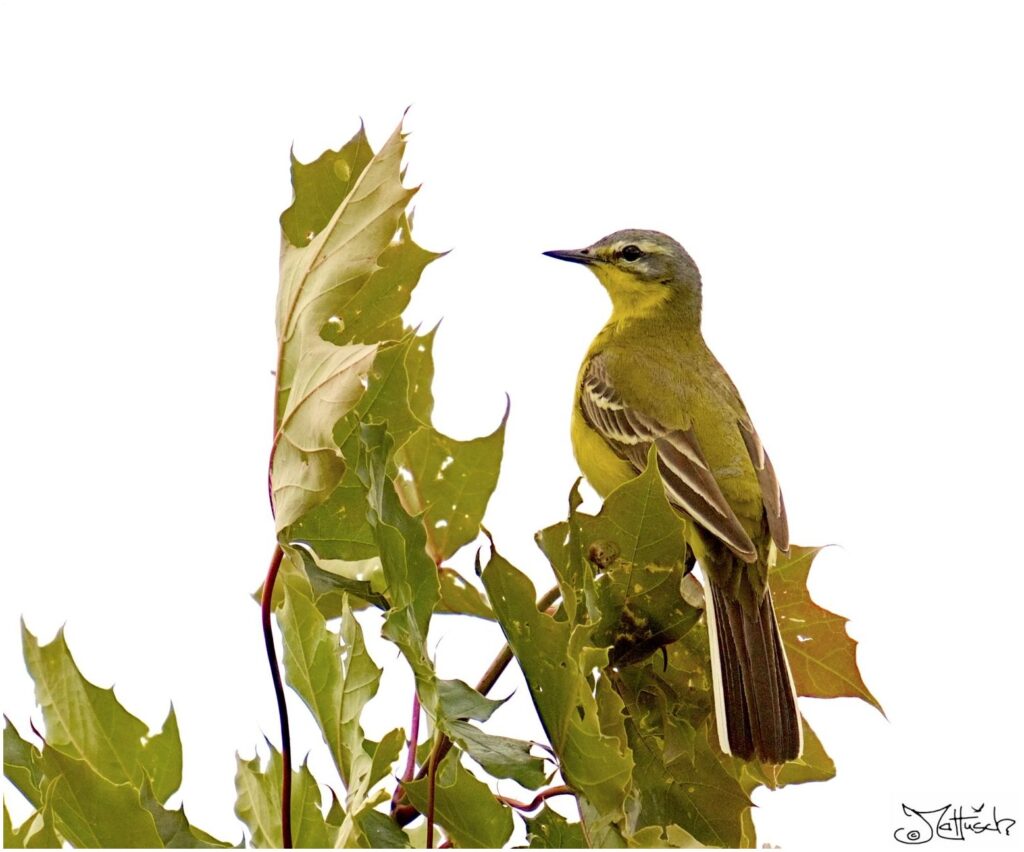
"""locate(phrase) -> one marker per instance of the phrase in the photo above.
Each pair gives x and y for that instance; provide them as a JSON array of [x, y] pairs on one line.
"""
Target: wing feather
[[771, 492], [688, 480]]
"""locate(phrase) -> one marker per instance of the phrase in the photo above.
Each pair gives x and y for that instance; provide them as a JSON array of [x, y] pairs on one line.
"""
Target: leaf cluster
[[371, 500], [99, 778], [622, 679]]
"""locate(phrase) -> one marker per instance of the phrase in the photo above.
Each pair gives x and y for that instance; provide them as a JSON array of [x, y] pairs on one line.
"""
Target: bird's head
[[641, 270]]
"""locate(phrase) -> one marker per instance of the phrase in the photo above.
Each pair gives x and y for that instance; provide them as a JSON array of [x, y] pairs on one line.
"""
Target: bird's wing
[[771, 493], [689, 483]]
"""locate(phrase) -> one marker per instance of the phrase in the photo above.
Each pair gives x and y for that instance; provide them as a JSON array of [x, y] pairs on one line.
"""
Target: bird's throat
[[652, 303]]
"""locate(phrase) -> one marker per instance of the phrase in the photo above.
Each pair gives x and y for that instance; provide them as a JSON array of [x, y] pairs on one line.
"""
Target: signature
[[952, 823]]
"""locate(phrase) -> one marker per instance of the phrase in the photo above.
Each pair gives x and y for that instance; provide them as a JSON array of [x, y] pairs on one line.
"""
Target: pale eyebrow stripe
[[650, 247]]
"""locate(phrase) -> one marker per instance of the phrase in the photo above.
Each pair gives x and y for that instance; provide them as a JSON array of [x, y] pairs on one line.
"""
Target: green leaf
[[419, 367], [412, 584], [11, 840], [593, 764], [383, 754], [463, 806], [502, 757], [460, 597], [338, 528], [664, 837], [89, 723], [637, 547], [162, 759], [333, 580], [641, 610], [560, 544], [677, 838], [681, 777], [309, 828], [259, 804], [36, 832], [259, 800], [21, 764], [611, 712], [370, 309], [458, 700], [372, 764], [320, 187], [450, 483], [174, 828], [335, 813], [550, 830], [822, 656], [380, 831], [814, 764], [333, 674], [638, 519], [386, 400], [417, 834], [693, 790], [91, 811], [636, 526], [686, 681]]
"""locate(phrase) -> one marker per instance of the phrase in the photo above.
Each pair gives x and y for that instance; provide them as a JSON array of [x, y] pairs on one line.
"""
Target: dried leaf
[[821, 653]]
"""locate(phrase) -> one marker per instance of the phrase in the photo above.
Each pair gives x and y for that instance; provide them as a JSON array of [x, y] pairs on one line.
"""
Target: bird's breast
[[604, 469]]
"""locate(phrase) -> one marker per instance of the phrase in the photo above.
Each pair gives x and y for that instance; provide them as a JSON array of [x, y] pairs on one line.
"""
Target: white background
[[850, 183]]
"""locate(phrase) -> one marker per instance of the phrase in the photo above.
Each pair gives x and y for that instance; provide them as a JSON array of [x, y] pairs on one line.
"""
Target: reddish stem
[[282, 707], [410, 761], [538, 800], [431, 784]]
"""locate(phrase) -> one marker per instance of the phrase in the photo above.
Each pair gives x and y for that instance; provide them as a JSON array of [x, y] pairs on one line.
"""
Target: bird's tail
[[755, 698]]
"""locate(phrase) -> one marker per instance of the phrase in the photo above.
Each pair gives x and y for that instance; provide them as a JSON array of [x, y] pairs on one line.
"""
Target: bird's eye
[[631, 253]]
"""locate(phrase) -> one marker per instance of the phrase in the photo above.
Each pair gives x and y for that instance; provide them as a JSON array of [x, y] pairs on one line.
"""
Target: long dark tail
[[755, 699]]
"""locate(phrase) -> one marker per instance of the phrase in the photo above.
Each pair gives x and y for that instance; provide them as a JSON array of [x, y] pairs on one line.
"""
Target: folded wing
[[689, 483]]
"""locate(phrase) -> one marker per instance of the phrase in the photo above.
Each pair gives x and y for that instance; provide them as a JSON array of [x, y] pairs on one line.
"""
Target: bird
[[649, 379]]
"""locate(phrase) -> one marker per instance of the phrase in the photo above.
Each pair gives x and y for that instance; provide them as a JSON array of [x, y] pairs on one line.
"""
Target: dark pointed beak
[[573, 255]]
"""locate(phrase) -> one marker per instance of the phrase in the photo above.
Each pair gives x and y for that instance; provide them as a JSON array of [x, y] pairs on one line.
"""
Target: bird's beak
[[573, 255]]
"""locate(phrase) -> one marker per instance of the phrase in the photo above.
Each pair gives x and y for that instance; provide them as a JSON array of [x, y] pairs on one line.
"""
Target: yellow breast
[[603, 469]]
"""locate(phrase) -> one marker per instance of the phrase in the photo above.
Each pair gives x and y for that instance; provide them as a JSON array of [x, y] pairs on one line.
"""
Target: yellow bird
[[649, 378]]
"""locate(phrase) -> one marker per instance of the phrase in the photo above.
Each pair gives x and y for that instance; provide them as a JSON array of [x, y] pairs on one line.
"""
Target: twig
[[282, 707], [538, 800], [410, 761], [431, 786]]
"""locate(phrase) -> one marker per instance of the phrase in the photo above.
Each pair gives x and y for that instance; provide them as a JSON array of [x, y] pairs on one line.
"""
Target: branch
[[538, 800], [410, 760], [431, 768]]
